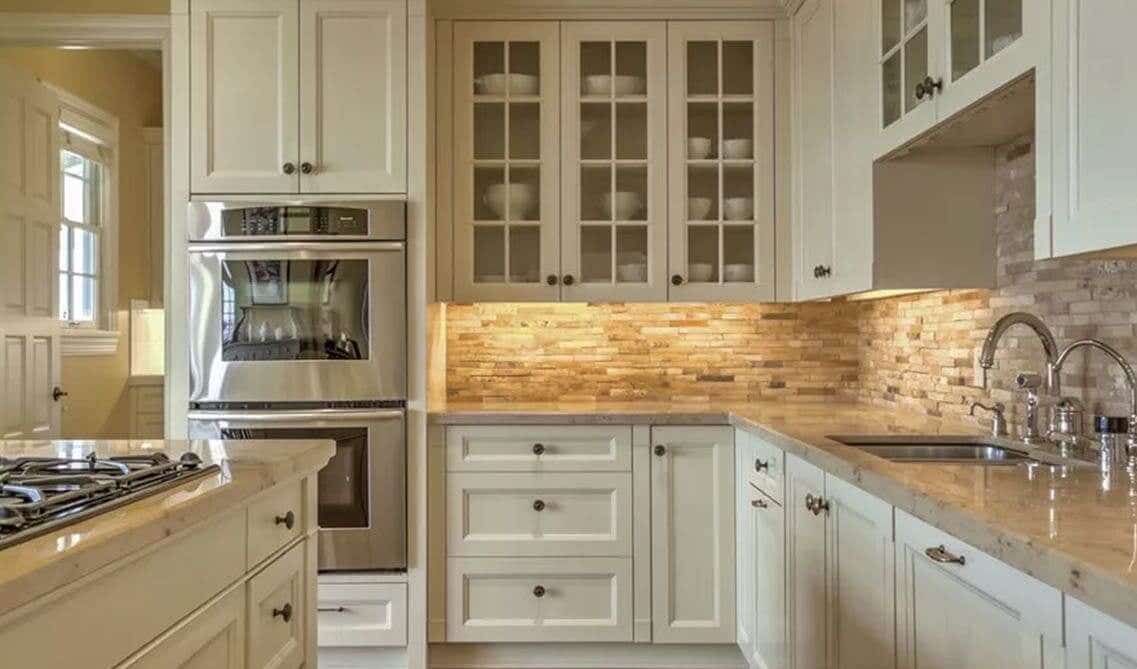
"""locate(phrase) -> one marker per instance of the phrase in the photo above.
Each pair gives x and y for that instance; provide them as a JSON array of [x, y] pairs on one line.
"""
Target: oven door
[[361, 493], [297, 322]]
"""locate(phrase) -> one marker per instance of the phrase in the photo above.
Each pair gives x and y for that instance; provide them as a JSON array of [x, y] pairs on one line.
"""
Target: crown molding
[[609, 10], [123, 31]]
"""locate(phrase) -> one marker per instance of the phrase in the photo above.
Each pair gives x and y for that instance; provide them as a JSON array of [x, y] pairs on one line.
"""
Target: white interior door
[[353, 96], [244, 96], [29, 364]]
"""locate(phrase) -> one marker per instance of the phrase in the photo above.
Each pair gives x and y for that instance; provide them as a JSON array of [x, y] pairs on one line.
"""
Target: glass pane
[[738, 254], [596, 253], [524, 68], [629, 201], [489, 68], [703, 253], [595, 193], [915, 11], [524, 130], [596, 68], [65, 297], [83, 251], [82, 298], [74, 199], [631, 68], [489, 131], [631, 254], [343, 490], [64, 247], [702, 130], [294, 309], [489, 254], [891, 93], [631, 131], [1004, 24], [596, 131], [702, 68], [738, 193], [702, 193], [490, 194], [524, 193], [964, 37], [524, 254], [73, 163], [915, 67], [737, 68], [890, 24], [738, 131]]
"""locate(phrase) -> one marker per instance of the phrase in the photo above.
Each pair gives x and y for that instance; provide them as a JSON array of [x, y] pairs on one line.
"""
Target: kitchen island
[[216, 571]]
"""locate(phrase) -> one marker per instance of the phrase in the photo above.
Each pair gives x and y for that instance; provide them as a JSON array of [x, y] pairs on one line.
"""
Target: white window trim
[[94, 132]]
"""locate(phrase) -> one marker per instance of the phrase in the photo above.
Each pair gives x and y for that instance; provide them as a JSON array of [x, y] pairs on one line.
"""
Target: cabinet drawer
[[270, 524], [362, 614], [524, 448], [767, 469], [539, 599], [276, 613], [539, 514]]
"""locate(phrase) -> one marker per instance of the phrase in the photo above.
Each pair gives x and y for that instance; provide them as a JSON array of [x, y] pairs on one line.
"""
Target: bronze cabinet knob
[[288, 168], [538, 505], [288, 520], [660, 450], [284, 613], [539, 591]]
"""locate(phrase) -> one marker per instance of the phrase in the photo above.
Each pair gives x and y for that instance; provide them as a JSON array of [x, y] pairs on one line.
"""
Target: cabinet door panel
[[244, 96], [277, 640], [746, 497], [42, 420], [769, 537], [693, 589], [213, 639], [1097, 641], [806, 563], [353, 95]]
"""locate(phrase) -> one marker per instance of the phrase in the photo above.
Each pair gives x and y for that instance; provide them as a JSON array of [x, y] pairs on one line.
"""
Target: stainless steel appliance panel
[[309, 218]]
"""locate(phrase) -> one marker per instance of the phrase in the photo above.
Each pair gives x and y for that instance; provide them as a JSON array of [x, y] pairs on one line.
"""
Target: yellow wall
[[131, 90], [87, 6]]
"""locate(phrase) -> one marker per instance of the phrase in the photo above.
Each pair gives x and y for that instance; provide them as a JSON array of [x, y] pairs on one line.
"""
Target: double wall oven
[[298, 330]]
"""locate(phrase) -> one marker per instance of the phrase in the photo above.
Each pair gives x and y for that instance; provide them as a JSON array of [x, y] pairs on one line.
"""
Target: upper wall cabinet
[[303, 96]]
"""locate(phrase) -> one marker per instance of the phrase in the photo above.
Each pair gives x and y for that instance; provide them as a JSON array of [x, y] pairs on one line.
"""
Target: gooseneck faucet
[[1049, 344], [1130, 379]]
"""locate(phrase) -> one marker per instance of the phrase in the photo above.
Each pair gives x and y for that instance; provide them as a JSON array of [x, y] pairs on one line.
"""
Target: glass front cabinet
[[613, 161]]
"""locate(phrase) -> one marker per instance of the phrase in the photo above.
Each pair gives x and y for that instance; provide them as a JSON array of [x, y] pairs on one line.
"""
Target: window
[[80, 239]]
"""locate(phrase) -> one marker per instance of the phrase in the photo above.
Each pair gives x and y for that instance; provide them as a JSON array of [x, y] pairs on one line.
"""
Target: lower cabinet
[[277, 603], [213, 639], [1097, 641]]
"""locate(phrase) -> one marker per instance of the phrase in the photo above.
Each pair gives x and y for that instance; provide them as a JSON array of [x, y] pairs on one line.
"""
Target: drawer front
[[276, 613], [362, 614], [270, 525], [539, 599], [767, 469], [539, 514], [533, 448]]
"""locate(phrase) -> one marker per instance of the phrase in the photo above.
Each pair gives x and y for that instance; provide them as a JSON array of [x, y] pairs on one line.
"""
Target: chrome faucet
[[1130, 380], [998, 419], [987, 354]]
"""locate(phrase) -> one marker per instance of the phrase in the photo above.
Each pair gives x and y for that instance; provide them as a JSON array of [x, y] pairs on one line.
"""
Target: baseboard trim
[[584, 656]]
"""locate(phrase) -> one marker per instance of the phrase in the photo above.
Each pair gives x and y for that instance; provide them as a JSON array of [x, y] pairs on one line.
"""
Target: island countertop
[[41, 564], [1074, 528]]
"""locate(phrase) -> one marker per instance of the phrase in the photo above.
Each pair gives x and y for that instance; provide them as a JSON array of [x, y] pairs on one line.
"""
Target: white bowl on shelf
[[698, 208], [737, 149], [700, 272], [597, 84], [738, 208], [626, 204], [631, 272], [628, 84], [516, 84], [738, 272], [698, 148], [521, 200]]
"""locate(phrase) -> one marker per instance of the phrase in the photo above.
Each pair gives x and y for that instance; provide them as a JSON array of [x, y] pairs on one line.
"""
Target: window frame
[[99, 194]]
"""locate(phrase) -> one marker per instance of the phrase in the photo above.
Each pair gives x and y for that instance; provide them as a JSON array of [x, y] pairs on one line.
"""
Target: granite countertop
[[1074, 528], [37, 566]]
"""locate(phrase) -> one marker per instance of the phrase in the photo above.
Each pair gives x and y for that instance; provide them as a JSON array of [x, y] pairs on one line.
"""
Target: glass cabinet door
[[979, 29], [721, 178], [505, 172], [908, 80], [613, 198]]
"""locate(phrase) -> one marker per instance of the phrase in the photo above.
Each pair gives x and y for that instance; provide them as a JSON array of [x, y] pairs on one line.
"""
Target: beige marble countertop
[[37, 566], [1074, 528]]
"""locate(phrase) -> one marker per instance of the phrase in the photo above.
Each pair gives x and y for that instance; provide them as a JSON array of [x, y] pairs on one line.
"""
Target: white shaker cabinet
[[745, 548], [1095, 640], [805, 565], [692, 535]]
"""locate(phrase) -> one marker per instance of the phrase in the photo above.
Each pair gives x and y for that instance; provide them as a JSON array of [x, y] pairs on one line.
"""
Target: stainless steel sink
[[939, 449]]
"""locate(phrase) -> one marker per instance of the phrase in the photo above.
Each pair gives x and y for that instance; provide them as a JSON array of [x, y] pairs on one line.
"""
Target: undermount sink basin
[[953, 450]]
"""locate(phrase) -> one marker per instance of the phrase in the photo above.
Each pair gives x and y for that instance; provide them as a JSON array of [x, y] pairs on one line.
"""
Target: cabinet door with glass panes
[[908, 66], [986, 49], [614, 166], [506, 134], [721, 171]]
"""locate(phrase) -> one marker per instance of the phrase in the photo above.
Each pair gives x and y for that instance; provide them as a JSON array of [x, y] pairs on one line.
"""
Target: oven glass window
[[294, 310], [306, 221], [342, 495]]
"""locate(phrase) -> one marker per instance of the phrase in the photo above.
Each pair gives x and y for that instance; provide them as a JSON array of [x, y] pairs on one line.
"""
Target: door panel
[[213, 639], [769, 528], [806, 564]]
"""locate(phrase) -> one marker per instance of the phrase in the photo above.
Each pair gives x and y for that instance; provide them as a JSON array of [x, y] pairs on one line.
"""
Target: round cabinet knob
[[568, 280], [928, 87], [809, 501], [287, 520], [826, 270], [759, 465], [284, 613], [58, 393], [307, 167], [288, 168], [538, 505], [539, 591], [660, 450], [551, 279], [538, 449], [676, 280]]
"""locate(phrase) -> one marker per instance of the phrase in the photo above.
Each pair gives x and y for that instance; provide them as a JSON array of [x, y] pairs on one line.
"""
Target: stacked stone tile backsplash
[[917, 352]]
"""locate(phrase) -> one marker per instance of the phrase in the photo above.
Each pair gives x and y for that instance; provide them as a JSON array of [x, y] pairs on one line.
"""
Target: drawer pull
[[660, 450], [332, 609], [284, 612], [539, 591], [538, 449], [943, 556], [288, 520], [759, 503], [816, 504], [759, 465], [538, 505]]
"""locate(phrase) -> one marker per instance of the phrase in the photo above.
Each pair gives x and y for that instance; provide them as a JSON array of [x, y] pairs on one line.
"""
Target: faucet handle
[[1028, 381], [998, 417]]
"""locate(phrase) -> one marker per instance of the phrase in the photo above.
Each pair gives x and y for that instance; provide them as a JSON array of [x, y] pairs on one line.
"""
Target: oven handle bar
[[331, 415], [238, 247]]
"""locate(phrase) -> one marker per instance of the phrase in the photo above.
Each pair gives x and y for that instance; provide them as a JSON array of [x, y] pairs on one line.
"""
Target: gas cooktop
[[42, 494]]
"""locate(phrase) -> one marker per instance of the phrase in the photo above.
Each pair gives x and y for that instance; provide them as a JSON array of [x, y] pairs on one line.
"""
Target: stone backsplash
[[917, 352]]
